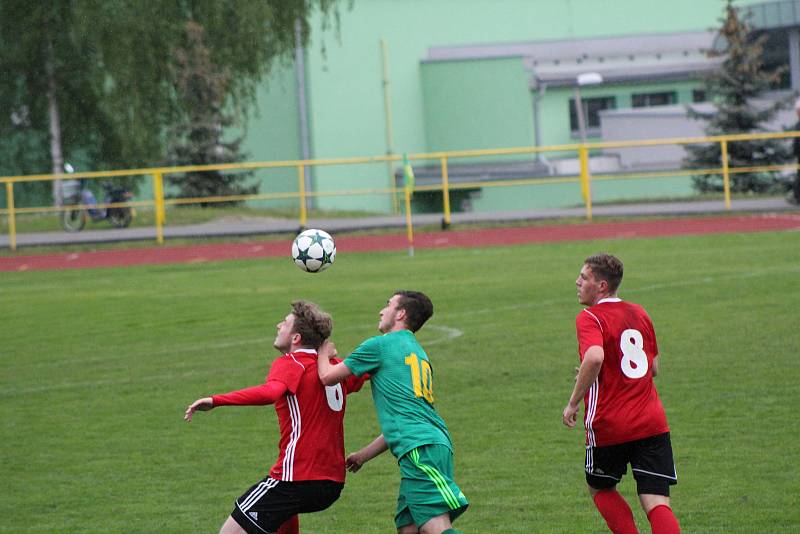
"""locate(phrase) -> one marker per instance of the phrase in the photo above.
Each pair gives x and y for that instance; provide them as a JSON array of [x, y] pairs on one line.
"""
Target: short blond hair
[[313, 324]]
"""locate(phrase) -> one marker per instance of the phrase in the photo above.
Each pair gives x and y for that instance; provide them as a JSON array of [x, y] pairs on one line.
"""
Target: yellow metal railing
[[583, 179]]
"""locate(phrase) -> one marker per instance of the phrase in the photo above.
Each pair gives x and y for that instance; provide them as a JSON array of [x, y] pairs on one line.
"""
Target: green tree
[[90, 79], [199, 139], [732, 88], [48, 81]]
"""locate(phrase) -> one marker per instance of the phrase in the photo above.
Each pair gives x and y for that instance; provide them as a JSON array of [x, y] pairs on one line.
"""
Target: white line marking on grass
[[109, 382], [448, 332], [510, 307], [712, 279], [639, 289], [182, 349], [201, 347]]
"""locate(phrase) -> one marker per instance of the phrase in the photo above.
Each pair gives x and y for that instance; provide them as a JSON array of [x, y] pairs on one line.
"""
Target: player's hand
[[203, 405], [327, 349], [353, 462], [570, 416]]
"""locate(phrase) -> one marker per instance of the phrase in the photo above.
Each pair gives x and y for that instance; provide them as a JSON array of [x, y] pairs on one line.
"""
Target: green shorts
[[427, 488]]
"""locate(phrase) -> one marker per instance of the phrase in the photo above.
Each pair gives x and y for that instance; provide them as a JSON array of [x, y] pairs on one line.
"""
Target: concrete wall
[[671, 121]]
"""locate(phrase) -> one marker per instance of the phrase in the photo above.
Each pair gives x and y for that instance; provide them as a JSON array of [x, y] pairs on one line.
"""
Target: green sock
[[451, 531]]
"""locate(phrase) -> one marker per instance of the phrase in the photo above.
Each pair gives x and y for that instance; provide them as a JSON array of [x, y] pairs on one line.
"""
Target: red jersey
[[310, 416], [622, 404]]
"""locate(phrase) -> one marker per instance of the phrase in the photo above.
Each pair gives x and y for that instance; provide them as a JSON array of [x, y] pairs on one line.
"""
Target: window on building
[[698, 95], [775, 56], [648, 100], [591, 111]]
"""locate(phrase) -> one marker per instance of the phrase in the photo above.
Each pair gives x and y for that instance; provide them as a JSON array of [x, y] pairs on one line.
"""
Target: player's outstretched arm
[[266, 393], [203, 405], [355, 460], [329, 373]]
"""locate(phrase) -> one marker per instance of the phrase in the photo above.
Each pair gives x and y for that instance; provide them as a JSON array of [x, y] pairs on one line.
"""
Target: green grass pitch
[[97, 367]]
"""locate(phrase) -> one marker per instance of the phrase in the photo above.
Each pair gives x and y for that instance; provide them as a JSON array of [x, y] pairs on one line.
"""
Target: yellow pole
[[586, 187], [409, 226], [726, 178], [446, 193], [301, 187], [158, 193], [12, 222], [387, 107]]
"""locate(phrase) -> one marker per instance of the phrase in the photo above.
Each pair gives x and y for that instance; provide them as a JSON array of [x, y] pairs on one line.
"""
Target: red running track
[[453, 238]]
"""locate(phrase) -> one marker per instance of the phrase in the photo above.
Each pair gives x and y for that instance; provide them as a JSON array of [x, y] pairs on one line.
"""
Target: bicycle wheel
[[73, 220]]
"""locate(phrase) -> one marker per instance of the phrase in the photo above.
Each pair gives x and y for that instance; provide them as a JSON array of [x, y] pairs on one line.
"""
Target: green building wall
[[273, 133], [429, 100], [477, 104]]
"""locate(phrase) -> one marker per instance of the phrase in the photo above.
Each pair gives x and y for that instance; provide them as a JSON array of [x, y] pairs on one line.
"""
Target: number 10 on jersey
[[421, 377]]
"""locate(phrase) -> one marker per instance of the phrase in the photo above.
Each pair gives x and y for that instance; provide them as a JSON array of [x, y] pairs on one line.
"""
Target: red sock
[[290, 526], [616, 512], [663, 521]]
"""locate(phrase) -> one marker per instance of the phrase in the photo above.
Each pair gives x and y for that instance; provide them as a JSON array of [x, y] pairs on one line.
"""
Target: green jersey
[[402, 389]]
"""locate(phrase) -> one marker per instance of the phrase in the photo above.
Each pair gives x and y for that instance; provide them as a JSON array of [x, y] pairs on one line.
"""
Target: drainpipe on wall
[[538, 95], [302, 107], [387, 108]]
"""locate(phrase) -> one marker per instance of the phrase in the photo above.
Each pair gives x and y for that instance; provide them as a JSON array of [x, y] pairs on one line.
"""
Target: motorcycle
[[81, 205]]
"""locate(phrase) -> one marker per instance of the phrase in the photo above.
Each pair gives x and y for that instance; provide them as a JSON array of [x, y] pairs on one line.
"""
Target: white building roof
[[629, 58]]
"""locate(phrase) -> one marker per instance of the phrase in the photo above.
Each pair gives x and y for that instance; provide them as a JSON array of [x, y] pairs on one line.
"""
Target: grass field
[[97, 367]]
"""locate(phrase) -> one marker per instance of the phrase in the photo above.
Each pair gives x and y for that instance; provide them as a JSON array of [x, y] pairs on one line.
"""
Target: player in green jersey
[[402, 389]]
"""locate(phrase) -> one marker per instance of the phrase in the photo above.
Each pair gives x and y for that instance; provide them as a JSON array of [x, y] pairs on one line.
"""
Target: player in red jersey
[[625, 421], [309, 473]]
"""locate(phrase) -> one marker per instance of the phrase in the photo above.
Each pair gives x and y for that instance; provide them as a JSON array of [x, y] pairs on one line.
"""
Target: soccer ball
[[313, 250]]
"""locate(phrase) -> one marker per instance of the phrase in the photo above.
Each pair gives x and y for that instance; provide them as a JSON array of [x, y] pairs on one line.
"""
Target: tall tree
[[200, 138], [97, 72], [47, 92], [732, 89]]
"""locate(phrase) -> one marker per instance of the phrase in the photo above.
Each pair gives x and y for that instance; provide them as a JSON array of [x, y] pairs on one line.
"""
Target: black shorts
[[651, 463], [266, 505]]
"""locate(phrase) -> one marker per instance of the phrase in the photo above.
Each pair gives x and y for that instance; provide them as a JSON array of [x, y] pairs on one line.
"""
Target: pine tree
[[740, 79], [199, 138]]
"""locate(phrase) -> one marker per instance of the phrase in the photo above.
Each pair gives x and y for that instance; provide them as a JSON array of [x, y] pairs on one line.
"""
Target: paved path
[[263, 226]]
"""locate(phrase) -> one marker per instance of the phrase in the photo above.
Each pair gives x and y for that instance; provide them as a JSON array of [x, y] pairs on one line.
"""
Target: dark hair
[[606, 267], [418, 308], [313, 324]]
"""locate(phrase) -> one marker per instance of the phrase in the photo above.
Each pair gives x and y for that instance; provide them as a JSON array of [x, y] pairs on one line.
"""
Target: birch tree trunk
[[56, 155]]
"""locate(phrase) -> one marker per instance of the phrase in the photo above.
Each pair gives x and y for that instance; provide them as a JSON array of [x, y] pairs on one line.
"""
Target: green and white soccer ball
[[313, 250]]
